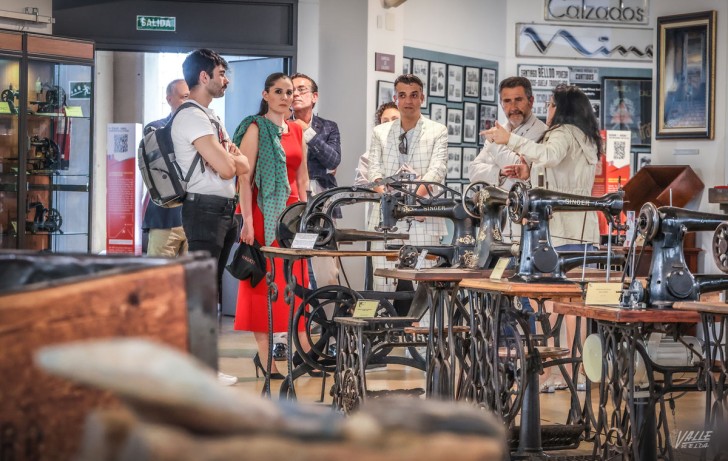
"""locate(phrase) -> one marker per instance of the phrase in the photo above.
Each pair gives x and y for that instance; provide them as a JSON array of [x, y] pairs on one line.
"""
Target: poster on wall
[[628, 106], [123, 189]]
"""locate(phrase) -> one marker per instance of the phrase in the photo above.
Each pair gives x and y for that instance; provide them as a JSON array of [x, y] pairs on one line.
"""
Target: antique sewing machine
[[47, 155], [44, 219], [538, 260], [9, 96], [316, 216], [488, 205], [670, 279], [403, 203]]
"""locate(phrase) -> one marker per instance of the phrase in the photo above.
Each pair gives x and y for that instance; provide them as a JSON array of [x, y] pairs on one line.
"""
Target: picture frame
[[488, 117], [488, 82], [469, 154], [454, 162], [472, 82], [470, 122], [454, 126], [385, 92], [454, 83], [626, 105], [686, 76], [640, 159], [438, 113], [421, 69], [406, 65], [438, 81]]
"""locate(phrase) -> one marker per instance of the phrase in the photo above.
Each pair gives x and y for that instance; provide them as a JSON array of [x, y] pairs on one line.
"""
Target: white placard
[[304, 241], [619, 144], [421, 259]]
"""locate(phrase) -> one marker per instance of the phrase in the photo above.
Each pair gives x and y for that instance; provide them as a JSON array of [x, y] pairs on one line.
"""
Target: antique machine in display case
[[46, 103]]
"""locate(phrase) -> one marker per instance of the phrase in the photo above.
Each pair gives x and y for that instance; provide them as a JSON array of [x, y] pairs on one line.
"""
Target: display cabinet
[[46, 138]]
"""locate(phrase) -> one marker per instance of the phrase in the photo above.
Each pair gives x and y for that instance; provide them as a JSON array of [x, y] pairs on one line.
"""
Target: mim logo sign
[[692, 439]]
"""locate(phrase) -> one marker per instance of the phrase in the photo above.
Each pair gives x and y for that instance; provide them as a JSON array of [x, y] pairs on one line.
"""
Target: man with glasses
[[516, 99], [413, 144]]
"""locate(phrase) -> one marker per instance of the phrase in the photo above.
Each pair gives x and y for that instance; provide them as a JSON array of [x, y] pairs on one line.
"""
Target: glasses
[[301, 90], [403, 144]]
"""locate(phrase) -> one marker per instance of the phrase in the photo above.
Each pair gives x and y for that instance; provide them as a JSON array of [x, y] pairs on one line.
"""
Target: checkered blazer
[[427, 156]]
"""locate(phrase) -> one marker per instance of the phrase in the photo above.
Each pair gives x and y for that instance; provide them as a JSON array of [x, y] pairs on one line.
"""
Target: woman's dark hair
[[269, 82], [573, 108], [381, 109]]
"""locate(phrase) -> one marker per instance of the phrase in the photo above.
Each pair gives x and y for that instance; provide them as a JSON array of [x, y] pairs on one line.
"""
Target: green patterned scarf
[[271, 176]]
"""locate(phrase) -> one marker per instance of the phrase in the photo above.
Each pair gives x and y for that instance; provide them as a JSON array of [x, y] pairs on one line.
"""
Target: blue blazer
[[324, 151]]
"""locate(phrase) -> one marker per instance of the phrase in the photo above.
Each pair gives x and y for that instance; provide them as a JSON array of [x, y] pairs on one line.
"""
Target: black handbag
[[248, 263]]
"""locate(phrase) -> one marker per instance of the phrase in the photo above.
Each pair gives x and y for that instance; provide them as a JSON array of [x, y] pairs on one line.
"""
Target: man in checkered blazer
[[415, 144]]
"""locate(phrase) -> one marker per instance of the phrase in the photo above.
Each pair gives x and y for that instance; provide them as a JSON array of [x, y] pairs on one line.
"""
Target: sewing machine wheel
[[56, 97], [288, 223], [648, 222], [53, 221], [323, 225], [720, 247], [518, 202], [7, 96], [472, 198], [408, 255]]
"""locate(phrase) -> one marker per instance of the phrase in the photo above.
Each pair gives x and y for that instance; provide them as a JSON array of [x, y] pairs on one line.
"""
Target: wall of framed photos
[[461, 93]]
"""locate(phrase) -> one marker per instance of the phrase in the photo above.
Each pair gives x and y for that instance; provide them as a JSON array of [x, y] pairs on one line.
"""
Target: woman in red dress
[[278, 177]]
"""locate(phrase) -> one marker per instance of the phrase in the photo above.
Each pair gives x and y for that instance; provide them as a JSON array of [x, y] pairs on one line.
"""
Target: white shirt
[[189, 125]]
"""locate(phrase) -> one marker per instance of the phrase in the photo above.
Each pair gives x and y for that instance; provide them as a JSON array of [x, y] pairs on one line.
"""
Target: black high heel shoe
[[259, 366]]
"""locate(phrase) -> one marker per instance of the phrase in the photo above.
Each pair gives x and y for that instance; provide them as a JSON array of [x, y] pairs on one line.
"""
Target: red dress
[[251, 313]]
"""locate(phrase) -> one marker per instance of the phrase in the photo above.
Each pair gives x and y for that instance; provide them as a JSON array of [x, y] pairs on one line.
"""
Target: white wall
[[45, 8]]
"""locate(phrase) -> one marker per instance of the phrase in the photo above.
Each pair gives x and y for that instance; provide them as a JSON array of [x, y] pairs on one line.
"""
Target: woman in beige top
[[567, 154]]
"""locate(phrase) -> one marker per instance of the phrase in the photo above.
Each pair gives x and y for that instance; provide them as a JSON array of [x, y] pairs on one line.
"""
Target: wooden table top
[[715, 307], [293, 253], [438, 274], [531, 290], [618, 315]]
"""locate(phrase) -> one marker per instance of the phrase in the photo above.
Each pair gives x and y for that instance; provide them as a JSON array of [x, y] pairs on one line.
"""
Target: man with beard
[[202, 145], [516, 100]]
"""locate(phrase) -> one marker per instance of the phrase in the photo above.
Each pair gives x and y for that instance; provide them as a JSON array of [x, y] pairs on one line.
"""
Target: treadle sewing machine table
[[714, 316], [444, 344], [623, 331], [289, 256], [500, 348]]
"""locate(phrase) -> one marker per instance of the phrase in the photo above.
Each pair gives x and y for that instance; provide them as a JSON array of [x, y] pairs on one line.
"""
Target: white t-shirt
[[189, 125]]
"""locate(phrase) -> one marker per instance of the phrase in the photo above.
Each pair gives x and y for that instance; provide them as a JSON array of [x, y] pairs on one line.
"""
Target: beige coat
[[568, 160]]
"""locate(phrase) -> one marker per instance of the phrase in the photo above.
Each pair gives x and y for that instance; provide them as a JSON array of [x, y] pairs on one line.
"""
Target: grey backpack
[[158, 164]]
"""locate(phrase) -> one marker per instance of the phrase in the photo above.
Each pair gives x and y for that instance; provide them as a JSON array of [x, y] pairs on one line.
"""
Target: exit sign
[[158, 23]]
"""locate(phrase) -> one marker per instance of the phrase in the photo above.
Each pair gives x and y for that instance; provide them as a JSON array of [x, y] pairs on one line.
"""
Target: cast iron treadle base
[[416, 392], [553, 437]]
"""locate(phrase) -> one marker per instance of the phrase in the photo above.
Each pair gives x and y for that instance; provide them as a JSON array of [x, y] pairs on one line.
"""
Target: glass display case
[[46, 104]]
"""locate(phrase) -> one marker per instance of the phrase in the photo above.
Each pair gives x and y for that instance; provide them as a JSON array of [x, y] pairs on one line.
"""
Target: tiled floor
[[238, 348]]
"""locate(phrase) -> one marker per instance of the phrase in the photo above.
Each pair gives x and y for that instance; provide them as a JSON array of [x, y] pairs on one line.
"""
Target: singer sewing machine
[[487, 205], [539, 261], [670, 279], [403, 203]]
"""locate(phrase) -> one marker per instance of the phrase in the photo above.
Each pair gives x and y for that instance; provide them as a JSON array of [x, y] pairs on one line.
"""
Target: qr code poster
[[618, 147], [122, 140]]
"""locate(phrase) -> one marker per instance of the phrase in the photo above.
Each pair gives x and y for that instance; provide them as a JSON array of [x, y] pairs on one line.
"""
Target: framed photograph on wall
[[421, 69], [470, 123], [640, 159], [454, 126], [627, 105], [438, 80], [406, 65], [472, 82], [487, 85], [454, 162], [686, 76], [454, 83], [469, 154], [385, 92], [488, 116], [438, 113]]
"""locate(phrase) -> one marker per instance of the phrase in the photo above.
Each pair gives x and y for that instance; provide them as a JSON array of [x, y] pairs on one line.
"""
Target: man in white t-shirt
[[207, 212]]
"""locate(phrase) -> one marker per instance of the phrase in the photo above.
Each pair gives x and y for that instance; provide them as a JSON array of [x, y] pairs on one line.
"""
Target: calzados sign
[[615, 11]]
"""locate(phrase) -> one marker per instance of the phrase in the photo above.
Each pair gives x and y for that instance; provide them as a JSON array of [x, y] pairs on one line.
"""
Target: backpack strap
[[198, 157]]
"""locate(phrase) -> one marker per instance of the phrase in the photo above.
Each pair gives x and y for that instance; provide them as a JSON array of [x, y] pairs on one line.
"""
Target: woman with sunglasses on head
[[278, 177], [567, 156]]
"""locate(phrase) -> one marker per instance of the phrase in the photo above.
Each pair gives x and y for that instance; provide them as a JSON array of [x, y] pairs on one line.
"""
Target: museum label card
[[304, 241], [603, 294], [366, 308], [499, 268]]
